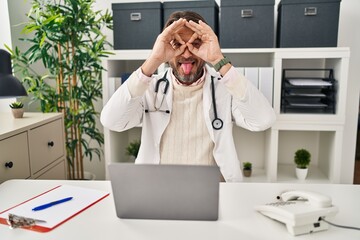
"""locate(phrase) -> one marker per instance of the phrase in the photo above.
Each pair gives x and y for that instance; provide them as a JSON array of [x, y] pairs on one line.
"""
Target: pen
[[50, 204]]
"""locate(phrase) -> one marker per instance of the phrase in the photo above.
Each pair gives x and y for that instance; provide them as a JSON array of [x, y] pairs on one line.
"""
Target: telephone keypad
[[278, 204]]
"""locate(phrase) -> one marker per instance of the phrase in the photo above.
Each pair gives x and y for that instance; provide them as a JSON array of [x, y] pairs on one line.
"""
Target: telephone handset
[[315, 199], [301, 211]]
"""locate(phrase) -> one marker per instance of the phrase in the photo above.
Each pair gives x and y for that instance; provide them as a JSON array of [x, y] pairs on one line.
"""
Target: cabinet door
[[46, 144], [14, 157], [56, 172]]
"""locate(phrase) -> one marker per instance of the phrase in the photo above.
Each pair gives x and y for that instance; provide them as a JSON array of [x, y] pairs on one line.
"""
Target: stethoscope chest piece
[[217, 123]]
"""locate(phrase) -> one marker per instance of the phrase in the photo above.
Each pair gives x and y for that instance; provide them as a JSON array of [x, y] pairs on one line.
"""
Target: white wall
[[349, 36]]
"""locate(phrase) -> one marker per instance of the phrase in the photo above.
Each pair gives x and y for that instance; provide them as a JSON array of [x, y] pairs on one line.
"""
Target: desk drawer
[[14, 157], [46, 144], [55, 172]]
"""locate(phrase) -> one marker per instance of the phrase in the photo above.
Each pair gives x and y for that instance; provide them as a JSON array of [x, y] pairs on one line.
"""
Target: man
[[189, 119]]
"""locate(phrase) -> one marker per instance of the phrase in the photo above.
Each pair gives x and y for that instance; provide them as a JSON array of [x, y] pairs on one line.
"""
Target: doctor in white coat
[[187, 113]]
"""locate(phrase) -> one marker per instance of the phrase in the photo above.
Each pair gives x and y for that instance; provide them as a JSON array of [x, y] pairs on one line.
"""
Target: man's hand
[[163, 49], [209, 48]]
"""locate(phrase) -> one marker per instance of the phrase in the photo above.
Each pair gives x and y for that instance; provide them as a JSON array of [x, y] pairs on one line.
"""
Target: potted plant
[[17, 109], [302, 160], [67, 39], [247, 169], [133, 148]]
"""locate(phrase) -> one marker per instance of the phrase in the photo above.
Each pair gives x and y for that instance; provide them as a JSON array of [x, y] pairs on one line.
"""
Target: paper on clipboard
[[54, 216]]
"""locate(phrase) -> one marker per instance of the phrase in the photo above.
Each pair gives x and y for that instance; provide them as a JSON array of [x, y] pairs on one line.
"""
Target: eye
[[176, 45], [197, 44]]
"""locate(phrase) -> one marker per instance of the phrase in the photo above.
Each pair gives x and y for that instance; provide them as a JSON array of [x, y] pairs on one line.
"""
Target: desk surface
[[237, 217]]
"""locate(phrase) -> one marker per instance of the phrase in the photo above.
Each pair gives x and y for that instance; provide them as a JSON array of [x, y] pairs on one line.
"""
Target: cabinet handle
[[310, 11], [135, 16], [247, 13], [51, 144], [9, 164]]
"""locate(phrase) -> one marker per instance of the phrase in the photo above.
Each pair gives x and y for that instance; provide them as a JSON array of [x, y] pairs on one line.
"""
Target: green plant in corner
[[247, 165], [247, 169], [302, 158], [133, 148], [16, 105], [67, 38]]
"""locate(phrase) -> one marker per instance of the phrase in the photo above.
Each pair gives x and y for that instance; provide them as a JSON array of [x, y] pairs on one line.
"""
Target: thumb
[[192, 49]]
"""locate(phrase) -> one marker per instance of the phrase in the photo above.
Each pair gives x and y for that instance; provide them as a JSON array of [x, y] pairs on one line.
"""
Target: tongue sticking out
[[186, 67]]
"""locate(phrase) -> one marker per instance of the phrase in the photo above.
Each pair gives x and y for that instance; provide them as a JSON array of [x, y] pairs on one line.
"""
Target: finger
[[191, 48], [180, 50], [174, 27], [178, 38], [193, 37], [194, 26], [205, 26], [201, 28]]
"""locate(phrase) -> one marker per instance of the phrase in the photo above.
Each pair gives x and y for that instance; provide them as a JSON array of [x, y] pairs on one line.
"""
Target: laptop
[[172, 192]]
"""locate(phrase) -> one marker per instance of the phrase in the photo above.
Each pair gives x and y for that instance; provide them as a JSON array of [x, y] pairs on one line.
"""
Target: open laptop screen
[[178, 192]]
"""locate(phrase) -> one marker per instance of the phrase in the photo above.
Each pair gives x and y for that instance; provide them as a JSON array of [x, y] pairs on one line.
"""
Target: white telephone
[[301, 211]]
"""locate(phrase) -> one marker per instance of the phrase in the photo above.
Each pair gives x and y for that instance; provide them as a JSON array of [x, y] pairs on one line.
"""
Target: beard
[[193, 76]]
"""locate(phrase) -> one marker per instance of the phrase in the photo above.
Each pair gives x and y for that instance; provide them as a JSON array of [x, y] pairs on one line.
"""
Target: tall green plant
[[69, 42]]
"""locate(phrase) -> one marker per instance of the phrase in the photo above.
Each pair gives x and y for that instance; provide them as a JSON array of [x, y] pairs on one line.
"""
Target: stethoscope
[[157, 86], [217, 123]]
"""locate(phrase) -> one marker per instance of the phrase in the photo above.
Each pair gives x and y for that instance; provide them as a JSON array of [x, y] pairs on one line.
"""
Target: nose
[[186, 53]]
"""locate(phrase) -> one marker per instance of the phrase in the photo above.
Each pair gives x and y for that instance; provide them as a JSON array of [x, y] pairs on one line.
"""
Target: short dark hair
[[188, 15]]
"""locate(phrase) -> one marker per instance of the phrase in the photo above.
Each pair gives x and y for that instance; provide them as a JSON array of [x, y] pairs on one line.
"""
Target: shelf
[[270, 151], [286, 173], [257, 175]]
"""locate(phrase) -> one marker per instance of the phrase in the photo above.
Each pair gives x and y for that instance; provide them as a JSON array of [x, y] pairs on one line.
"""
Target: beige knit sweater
[[186, 139]]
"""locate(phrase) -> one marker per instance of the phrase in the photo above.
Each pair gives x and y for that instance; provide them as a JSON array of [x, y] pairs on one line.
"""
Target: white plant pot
[[301, 173], [17, 112]]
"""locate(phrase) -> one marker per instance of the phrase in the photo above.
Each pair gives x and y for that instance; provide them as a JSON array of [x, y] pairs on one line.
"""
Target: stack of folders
[[262, 78]]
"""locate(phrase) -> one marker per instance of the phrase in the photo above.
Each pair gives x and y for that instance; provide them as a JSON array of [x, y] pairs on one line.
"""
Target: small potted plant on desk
[[302, 160], [247, 169], [132, 149], [17, 109]]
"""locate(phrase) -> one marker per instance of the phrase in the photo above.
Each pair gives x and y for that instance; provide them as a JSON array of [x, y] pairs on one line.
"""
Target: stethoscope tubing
[[217, 123]]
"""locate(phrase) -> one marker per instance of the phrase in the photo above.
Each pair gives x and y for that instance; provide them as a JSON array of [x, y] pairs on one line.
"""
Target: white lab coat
[[252, 112]]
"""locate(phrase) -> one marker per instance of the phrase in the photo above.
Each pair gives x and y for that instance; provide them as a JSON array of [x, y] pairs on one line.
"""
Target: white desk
[[237, 218]]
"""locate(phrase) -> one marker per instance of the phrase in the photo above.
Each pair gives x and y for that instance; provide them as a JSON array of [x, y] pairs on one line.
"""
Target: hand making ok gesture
[[163, 49]]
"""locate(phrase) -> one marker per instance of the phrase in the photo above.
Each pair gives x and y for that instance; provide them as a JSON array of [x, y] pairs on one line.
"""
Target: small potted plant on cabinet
[[17, 109], [302, 160], [132, 149], [247, 169]]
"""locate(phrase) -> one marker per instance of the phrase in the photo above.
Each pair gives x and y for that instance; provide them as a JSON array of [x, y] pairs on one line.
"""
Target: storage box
[[136, 25], [247, 24], [308, 23], [208, 9]]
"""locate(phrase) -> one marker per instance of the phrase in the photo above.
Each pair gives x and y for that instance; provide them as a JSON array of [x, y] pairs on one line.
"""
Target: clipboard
[[83, 198]]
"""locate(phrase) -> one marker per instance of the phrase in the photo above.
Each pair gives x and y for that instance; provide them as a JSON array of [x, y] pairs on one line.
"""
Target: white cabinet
[[270, 151], [32, 146]]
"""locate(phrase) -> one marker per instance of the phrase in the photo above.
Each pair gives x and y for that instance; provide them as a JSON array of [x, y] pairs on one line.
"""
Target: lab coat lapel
[[207, 103], [169, 95]]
